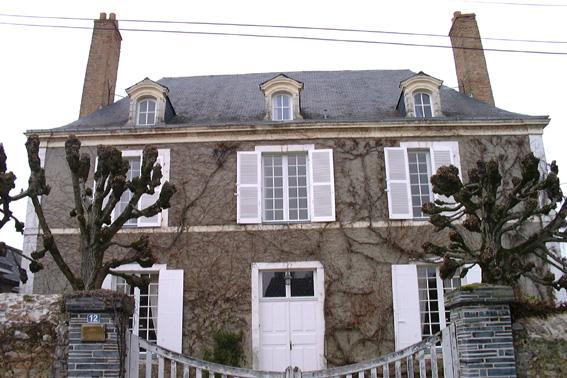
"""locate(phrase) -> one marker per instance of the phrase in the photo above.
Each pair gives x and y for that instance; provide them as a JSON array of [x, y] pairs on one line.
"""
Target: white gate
[[419, 360]]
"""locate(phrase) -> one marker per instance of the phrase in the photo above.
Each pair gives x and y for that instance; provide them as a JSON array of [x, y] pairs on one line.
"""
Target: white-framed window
[[282, 107], [432, 290], [419, 164], [419, 300], [408, 172], [285, 184], [158, 316], [146, 112], [421, 96], [143, 322], [134, 158], [285, 187], [422, 105]]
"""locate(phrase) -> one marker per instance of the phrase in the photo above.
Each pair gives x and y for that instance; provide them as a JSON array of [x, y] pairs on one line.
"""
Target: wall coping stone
[[483, 294], [99, 300]]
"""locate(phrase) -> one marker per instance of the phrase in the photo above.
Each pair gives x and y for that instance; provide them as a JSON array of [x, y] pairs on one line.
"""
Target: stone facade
[[33, 336], [541, 346], [358, 301]]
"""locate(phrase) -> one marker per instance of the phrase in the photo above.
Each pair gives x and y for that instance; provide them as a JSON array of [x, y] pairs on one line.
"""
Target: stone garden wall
[[541, 346], [33, 336]]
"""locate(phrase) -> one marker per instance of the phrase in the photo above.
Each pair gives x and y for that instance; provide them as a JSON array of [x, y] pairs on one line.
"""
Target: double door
[[290, 320]]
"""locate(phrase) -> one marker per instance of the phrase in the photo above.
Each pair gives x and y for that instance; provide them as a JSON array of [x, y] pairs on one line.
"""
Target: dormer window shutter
[[248, 187], [322, 188], [397, 183]]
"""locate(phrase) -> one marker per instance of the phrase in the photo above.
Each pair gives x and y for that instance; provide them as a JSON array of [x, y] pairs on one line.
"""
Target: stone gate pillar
[[97, 326], [483, 329]]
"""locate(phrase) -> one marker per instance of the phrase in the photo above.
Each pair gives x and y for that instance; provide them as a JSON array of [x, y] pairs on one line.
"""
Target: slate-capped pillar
[[483, 328], [94, 339]]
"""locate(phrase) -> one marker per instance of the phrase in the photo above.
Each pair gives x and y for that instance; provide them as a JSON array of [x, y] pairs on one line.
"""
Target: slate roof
[[328, 96]]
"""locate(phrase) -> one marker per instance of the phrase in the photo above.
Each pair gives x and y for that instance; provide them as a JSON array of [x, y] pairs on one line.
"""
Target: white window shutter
[[474, 275], [443, 154], [107, 283], [405, 293], [397, 183], [170, 309], [149, 199], [248, 187], [322, 186]]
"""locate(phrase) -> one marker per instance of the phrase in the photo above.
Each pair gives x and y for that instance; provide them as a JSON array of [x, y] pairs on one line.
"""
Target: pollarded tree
[[503, 225], [93, 209]]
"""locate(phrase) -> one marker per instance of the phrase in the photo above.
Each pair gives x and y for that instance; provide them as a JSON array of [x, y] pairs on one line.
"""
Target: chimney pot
[[102, 16], [113, 16]]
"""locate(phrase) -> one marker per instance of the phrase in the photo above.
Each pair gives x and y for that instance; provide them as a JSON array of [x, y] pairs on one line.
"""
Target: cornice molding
[[299, 130]]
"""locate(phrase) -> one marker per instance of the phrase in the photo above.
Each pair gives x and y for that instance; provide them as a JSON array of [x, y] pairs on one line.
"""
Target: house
[[298, 213]]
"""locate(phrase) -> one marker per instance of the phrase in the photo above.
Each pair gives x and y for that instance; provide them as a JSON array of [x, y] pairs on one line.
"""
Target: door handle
[[290, 345]]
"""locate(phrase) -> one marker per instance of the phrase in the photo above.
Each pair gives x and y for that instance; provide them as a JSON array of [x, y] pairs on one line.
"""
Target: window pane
[[273, 284], [302, 284], [419, 162]]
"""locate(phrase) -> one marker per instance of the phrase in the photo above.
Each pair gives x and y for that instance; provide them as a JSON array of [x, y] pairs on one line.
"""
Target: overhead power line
[[320, 39], [290, 27], [504, 3]]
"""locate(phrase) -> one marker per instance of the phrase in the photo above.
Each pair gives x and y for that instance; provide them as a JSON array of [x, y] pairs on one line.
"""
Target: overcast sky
[[43, 67]]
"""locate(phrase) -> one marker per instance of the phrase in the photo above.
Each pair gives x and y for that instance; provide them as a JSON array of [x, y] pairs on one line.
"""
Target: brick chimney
[[102, 68], [470, 64]]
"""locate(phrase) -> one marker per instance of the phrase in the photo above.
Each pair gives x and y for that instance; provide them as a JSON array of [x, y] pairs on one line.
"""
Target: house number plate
[[93, 318]]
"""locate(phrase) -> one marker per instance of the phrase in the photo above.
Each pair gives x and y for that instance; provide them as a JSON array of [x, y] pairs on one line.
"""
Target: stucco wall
[[541, 346], [33, 336], [356, 254]]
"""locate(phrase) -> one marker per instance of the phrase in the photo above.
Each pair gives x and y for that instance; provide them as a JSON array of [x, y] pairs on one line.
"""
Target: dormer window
[[422, 103], [282, 98], [149, 104], [420, 97], [282, 108], [147, 112]]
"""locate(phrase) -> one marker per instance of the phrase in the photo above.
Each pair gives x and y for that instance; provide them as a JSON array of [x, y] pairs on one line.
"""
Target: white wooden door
[[290, 326]]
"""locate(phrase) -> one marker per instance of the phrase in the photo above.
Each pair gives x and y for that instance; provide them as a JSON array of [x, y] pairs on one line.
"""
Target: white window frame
[[170, 302], [423, 105], [319, 282], [147, 112], [276, 106], [397, 172], [321, 191], [405, 296], [160, 219]]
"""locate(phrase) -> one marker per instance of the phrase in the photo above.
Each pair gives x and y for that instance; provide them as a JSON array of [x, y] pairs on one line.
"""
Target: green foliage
[[227, 350]]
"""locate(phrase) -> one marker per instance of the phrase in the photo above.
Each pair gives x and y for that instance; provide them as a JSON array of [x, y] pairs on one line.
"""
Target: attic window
[[282, 98], [147, 112], [422, 103], [282, 108], [421, 96], [149, 104]]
